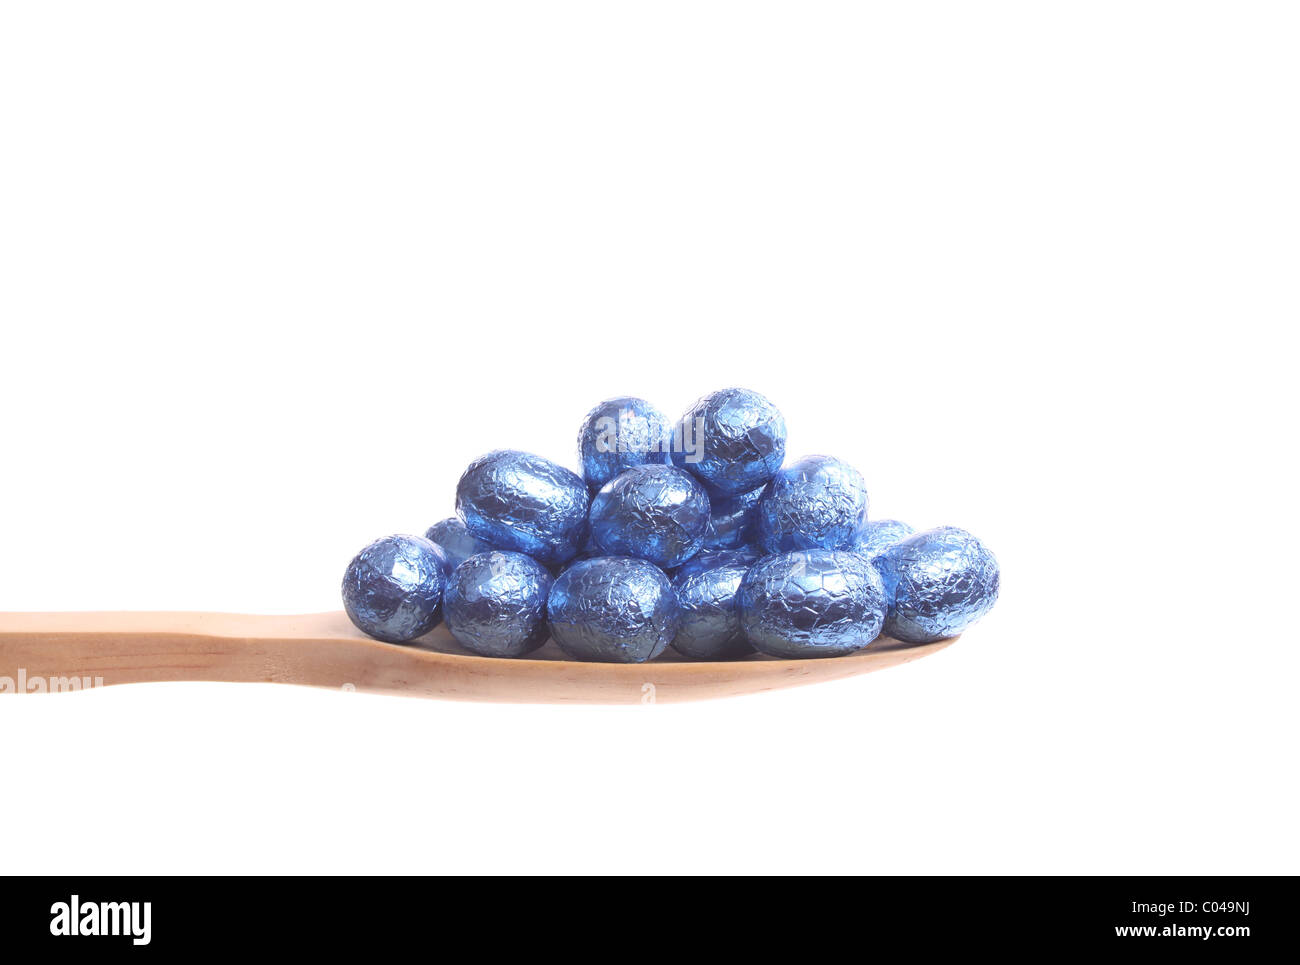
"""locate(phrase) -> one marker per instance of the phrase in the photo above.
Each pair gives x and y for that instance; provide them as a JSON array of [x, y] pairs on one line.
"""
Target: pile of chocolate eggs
[[693, 534]]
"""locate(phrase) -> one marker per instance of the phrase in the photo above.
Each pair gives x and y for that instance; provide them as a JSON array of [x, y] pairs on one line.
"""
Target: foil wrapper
[[456, 542], [612, 609], [812, 603], [392, 589], [655, 513], [732, 439], [878, 535], [818, 502], [939, 582], [732, 520], [621, 433], [709, 628], [746, 556], [587, 547], [517, 501], [495, 604], [589, 550]]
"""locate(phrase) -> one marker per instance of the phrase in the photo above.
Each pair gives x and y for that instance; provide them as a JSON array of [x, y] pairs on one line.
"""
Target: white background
[[271, 274]]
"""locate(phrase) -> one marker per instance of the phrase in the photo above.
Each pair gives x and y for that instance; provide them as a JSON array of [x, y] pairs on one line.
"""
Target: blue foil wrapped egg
[[707, 599], [613, 609], [495, 604], [456, 542], [621, 433], [392, 589], [812, 603], [655, 513], [732, 439], [877, 535], [819, 502], [939, 582], [517, 501], [732, 520]]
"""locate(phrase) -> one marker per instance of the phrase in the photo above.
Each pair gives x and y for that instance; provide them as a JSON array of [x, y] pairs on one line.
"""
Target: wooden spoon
[[53, 652]]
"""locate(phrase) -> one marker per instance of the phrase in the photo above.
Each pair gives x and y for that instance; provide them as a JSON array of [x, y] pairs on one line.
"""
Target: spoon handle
[[57, 652]]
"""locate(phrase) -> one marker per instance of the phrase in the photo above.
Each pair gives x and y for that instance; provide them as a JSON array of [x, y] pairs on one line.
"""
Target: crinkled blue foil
[[495, 604], [732, 439], [732, 522], [746, 556], [392, 589], [457, 543], [621, 433], [878, 535], [587, 547], [589, 550], [612, 609], [812, 603], [655, 513], [517, 501], [818, 502], [710, 618], [939, 582]]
